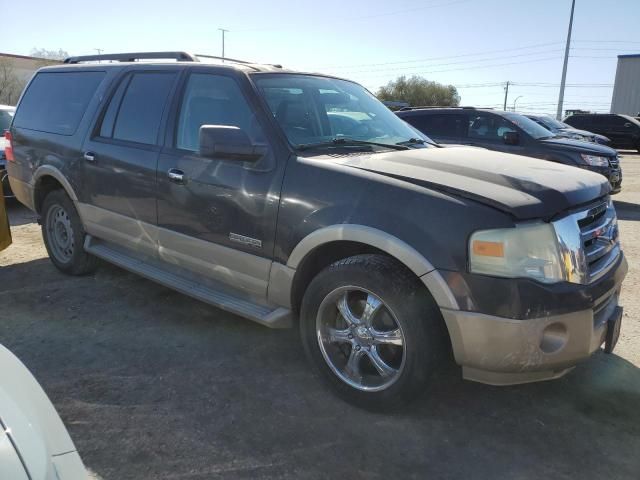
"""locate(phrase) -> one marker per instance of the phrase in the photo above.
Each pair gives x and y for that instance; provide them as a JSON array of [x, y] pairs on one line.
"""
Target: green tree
[[418, 91]]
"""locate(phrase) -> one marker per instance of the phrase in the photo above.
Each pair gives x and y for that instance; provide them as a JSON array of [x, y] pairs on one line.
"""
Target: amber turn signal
[[488, 249]]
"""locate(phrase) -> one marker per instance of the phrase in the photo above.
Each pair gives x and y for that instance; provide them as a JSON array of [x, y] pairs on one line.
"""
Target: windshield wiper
[[341, 141], [418, 141]]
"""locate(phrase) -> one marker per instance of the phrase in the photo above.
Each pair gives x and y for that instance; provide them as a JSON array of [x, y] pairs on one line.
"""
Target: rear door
[[120, 160]]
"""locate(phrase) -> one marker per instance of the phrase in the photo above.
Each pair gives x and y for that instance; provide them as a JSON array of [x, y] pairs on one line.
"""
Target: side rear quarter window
[[440, 125], [577, 121], [55, 102]]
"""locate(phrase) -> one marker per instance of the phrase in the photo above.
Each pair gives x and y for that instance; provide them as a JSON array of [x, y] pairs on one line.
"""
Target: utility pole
[[506, 95], [223, 32], [566, 61], [99, 50]]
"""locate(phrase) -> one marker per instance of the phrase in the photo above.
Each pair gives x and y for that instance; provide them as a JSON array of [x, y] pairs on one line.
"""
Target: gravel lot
[[154, 385]]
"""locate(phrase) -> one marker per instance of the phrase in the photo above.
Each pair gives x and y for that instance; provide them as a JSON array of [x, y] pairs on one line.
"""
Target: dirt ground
[[155, 385]]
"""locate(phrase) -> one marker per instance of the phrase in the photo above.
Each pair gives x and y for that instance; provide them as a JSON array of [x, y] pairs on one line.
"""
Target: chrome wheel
[[360, 338], [60, 233]]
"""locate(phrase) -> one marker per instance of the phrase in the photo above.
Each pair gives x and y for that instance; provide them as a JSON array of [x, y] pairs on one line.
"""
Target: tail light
[[8, 150]]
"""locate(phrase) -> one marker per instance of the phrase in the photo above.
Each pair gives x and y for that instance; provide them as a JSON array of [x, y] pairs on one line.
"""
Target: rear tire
[[372, 331], [64, 234]]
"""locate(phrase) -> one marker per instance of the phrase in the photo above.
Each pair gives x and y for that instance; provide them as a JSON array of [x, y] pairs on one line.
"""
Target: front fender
[[381, 240]]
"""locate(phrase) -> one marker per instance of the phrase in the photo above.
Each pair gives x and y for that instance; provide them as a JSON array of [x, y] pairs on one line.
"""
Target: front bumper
[[613, 174], [503, 351]]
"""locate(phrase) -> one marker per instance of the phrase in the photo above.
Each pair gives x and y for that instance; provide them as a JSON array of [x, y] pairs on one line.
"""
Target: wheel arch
[[326, 245], [48, 178]]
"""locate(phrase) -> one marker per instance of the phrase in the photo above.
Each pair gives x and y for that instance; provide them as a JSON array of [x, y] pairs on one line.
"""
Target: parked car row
[[562, 129], [284, 196], [511, 132]]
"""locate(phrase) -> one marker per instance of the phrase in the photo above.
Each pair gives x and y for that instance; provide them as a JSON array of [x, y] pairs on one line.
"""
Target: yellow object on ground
[[5, 231]]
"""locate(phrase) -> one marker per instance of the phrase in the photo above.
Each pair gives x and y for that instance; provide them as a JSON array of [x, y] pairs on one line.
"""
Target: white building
[[626, 90]]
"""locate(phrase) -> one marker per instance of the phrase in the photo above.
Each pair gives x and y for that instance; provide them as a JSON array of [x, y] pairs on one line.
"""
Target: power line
[[455, 63], [469, 68], [446, 57], [299, 25]]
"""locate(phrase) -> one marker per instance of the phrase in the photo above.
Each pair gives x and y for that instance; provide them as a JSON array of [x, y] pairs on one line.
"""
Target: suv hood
[[576, 131], [579, 146], [524, 187]]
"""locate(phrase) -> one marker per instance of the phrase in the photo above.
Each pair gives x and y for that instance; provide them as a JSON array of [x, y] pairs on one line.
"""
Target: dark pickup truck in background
[[623, 130], [289, 197]]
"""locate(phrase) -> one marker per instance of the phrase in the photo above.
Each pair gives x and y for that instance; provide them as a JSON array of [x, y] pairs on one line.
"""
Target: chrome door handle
[[89, 156], [176, 176]]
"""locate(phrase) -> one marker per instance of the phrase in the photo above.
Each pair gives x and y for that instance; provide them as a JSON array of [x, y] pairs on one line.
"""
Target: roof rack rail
[[235, 60], [441, 106], [132, 57]]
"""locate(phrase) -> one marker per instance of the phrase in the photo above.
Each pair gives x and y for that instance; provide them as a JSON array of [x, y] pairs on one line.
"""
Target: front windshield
[[551, 122], [314, 110], [534, 129], [5, 120]]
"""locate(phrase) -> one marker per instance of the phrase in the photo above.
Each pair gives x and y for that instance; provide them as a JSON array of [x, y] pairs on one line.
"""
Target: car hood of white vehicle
[[29, 419]]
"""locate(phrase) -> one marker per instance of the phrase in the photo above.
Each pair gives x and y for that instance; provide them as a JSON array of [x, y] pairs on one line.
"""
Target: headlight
[[595, 160], [529, 250]]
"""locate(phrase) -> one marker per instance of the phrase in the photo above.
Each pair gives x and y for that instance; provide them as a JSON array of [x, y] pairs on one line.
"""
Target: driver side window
[[213, 100]]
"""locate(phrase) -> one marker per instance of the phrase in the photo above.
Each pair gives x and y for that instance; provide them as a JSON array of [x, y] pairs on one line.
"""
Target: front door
[[120, 162], [217, 217], [621, 131]]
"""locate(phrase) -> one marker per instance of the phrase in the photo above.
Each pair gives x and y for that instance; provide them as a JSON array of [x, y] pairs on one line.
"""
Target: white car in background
[[6, 115], [34, 443]]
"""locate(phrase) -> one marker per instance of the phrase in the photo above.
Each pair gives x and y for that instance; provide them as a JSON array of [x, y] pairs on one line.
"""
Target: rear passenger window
[[489, 127], [135, 110], [55, 102]]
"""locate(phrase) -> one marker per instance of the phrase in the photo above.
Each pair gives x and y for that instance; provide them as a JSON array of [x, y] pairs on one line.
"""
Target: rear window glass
[[56, 101]]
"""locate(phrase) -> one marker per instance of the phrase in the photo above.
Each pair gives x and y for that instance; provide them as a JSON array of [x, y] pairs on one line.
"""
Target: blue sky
[[476, 45]]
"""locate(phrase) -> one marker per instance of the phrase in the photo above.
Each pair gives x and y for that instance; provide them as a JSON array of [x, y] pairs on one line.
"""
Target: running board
[[279, 317]]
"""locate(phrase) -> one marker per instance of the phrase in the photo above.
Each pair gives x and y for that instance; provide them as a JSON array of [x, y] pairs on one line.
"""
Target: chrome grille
[[589, 242]]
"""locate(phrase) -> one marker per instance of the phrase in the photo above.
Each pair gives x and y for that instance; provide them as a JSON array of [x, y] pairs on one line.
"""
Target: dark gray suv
[[513, 133], [292, 198]]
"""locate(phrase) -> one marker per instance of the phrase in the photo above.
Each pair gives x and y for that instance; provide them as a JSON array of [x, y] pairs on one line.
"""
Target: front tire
[[64, 234], [372, 331]]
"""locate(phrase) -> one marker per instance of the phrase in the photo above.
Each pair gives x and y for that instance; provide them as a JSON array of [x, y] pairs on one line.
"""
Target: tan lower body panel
[[240, 270]]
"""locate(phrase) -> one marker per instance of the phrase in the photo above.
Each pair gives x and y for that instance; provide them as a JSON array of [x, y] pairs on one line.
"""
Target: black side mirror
[[229, 143], [628, 125], [511, 138]]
